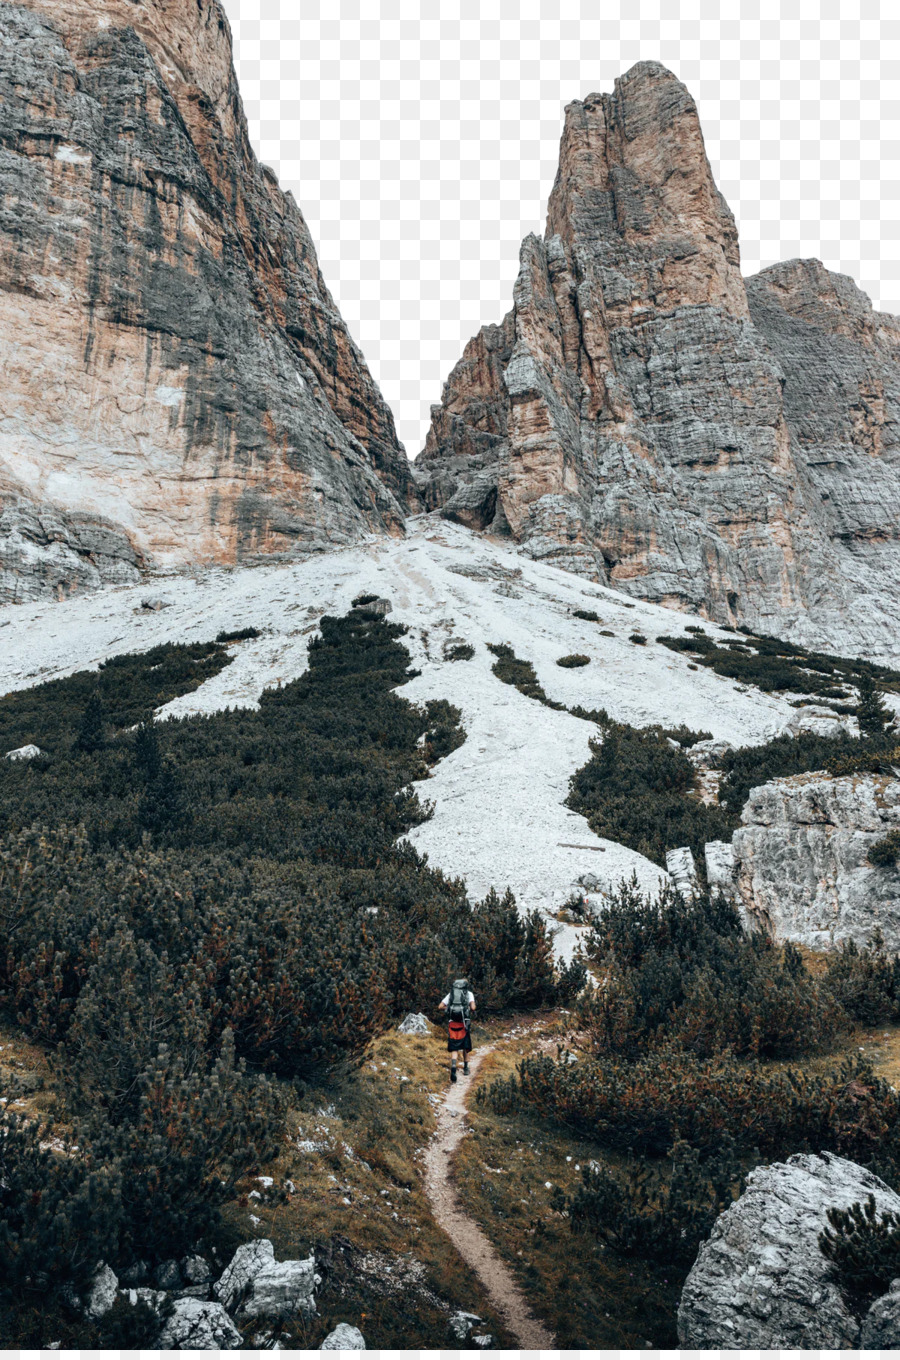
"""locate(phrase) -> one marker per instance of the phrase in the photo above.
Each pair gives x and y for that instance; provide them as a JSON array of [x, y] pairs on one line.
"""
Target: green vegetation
[[685, 973], [638, 639], [750, 766], [573, 660], [239, 635], [772, 664], [459, 651], [886, 852], [864, 1248], [124, 691], [193, 909], [588, 615], [512, 670], [639, 789]]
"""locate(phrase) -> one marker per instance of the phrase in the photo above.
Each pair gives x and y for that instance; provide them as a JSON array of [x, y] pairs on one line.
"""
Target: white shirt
[[470, 999]]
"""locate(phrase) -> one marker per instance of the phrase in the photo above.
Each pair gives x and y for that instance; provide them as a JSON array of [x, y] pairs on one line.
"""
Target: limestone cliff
[[801, 870], [643, 417], [176, 383]]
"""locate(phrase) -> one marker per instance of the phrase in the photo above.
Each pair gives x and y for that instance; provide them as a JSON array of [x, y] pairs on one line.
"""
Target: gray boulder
[[195, 1270], [153, 1297], [198, 1326], [167, 1275], [414, 1024], [28, 752], [245, 1264], [462, 1323], [680, 864], [344, 1338], [102, 1293], [761, 1280], [154, 603], [280, 1289], [483, 1342], [881, 1325], [719, 856], [707, 755]]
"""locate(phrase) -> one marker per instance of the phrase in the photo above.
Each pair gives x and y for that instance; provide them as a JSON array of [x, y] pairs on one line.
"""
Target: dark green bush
[[637, 789], [238, 635], [513, 671], [865, 982], [637, 638], [684, 972], [863, 1246], [886, 852], [459, 651], [588, 615], [645, 1106], [657, 1214], [574, 659]]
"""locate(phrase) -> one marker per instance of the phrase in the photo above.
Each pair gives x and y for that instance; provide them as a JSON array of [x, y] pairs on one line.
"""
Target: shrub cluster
[[512, 670], [684, 972], [863, 1246], [573, 660], [750, 766], [638, 789]]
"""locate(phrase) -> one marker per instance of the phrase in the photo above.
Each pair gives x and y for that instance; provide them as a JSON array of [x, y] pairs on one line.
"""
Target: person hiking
[[459, 1003]]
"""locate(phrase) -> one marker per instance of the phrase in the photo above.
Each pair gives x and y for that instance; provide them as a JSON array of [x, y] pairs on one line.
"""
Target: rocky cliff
[[801, 868], [644, 417], [176, 383]]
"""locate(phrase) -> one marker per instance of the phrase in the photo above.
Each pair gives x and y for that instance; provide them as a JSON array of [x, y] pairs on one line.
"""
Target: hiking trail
[[465, 1234]]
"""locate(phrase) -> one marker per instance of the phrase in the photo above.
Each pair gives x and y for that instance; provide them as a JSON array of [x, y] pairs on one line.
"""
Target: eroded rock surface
[[176, 383], [761, 1280], [801, 866], [644, 418]]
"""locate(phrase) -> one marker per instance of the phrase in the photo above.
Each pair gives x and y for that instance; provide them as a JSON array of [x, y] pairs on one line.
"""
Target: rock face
[[880, 1329], [344, 1337], [761, 1280], [198, 1326], [177, 384], [644, 418], [800, 859]]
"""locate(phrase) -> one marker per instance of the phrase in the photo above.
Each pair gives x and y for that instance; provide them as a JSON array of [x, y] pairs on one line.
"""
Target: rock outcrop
[[177, 383], [761, 1281], [643, 417], [801, 868]]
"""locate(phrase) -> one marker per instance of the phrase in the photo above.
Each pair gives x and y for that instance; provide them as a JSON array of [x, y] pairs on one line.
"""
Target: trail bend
[[465, 1234]]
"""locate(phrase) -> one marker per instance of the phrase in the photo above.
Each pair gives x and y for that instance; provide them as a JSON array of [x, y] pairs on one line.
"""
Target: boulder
[[28, 752], [461, 1324], [167, 1275], [821, 722], [380, 606], [802, 868], [154, 603], [484, 1342], [761, 1280], [280, 1289], [198, 1326], [137, 1273], [414, 1024], [719, 856], [153, 1297], [245, 1264], [195, 1270], [681, 866], [881, 1325], [707, 755], [102, 1293], [344, 1338]]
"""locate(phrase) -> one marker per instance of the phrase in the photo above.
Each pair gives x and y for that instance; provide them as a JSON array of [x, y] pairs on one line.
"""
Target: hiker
[[459, 1003]]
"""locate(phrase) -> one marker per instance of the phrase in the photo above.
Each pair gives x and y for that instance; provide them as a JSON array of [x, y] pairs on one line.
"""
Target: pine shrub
[[574, 660], [863, 1246]]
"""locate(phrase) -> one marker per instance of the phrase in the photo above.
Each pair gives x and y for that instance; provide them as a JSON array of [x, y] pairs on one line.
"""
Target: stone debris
[[198, 1326], [680, 865], [28, 752], [280, 1289], [154, 603], [414, 1024], [761, 1281], [484, 1342], [102, 1293], [246, 1263], [461, 1324], [707, 755], [344, 1338]]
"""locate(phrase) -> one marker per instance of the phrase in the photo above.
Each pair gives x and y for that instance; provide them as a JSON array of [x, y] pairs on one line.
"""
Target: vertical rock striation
[[639, 418], [176, 383]]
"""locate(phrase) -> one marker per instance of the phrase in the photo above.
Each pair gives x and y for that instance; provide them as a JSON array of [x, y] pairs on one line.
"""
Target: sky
[[421, 143]]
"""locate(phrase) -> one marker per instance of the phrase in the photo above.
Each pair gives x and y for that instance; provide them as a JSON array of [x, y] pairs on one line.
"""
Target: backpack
[[459, 999]]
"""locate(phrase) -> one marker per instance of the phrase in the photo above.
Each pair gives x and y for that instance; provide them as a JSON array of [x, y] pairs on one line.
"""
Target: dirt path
[[465, 1234]]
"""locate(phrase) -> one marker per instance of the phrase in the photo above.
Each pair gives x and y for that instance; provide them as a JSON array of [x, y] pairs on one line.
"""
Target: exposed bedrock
[[645, 418], [801, 868], [176, 383]]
